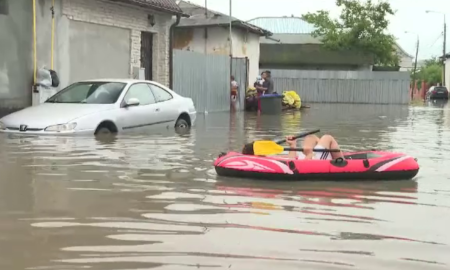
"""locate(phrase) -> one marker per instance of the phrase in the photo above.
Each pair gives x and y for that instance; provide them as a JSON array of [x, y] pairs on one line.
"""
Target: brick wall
[[135, 19]]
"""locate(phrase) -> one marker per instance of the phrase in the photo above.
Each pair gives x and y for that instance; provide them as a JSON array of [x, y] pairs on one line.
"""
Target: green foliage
[[430, 72], [360, 27]]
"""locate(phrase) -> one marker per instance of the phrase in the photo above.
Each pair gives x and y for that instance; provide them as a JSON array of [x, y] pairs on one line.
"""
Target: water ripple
[[140, 201]]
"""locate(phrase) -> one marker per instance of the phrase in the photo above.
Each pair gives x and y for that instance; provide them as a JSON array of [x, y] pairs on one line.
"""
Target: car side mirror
[[132, 102]]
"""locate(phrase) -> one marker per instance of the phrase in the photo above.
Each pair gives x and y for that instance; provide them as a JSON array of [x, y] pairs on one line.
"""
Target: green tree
[[430, 72], [361, 27]]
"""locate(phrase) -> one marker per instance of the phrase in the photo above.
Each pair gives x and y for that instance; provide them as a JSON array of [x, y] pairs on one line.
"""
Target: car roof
[[127, 81], [117, 80]]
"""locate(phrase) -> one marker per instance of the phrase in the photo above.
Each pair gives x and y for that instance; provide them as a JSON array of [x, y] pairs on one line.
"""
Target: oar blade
[[264, 148]]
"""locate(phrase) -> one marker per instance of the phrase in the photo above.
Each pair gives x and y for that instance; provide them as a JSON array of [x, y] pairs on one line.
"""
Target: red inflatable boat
[[370, 165]]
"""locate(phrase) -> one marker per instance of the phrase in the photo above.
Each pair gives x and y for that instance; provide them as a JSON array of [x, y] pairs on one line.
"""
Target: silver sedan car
[[104, 106]]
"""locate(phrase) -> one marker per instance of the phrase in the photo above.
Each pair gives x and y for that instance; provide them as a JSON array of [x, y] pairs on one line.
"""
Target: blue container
[[271, 96]]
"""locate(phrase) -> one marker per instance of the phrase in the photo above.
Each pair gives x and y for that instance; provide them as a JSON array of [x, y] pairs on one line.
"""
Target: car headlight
[[62, 127], [2, 126]]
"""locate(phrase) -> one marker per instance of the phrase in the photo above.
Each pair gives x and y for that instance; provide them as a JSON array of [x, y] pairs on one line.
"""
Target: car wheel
[[103, 131], [106, 128], [181, 124]]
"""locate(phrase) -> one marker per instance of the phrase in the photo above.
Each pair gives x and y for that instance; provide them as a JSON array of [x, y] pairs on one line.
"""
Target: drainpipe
[[34, 45], [172, 29]]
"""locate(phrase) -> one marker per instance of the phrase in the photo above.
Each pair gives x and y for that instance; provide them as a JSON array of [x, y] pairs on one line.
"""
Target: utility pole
[[415, 64], [206, 28], [231, 38], [206, 54], [415, 68], [231, 22], [231, 48], [444, 52]]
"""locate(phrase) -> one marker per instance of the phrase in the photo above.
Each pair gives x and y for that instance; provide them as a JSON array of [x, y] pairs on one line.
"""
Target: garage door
[[98, 51]]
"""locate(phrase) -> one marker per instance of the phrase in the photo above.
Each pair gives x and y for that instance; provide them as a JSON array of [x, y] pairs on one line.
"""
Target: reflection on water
[[438, 103], [141, 201]]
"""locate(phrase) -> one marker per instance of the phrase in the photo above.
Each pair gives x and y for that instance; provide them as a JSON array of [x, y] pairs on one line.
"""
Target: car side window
[[142, 92], [160, 94]]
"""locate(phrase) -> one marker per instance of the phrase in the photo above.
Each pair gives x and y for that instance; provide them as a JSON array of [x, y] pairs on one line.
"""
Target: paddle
[[301, 135], [262, 148], [265, 148]]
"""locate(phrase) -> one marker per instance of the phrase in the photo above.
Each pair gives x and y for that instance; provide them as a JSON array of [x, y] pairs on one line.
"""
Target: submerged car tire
[[103, 131], [106, 128], [181, 124]]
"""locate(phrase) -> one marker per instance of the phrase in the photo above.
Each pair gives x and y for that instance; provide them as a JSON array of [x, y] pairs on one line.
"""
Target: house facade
[[91, 39], [207, 31]]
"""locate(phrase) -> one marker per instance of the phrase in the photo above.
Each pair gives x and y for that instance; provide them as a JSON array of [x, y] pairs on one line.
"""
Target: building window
[[4, 7]]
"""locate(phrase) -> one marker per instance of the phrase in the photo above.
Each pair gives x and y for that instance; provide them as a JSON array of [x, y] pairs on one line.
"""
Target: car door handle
[[157, 110]]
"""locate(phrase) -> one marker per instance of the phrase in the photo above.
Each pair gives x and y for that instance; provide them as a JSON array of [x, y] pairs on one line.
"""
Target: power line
[[440, 35]]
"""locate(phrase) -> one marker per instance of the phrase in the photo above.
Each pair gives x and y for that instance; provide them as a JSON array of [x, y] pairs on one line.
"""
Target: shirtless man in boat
[[309, 143]]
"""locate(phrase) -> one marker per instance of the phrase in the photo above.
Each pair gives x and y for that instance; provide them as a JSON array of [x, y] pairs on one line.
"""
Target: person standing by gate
[[234, 92], [261, 87], [270, 86]]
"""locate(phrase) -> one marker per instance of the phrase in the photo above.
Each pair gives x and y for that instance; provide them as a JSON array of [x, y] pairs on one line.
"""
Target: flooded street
[[143, 201]]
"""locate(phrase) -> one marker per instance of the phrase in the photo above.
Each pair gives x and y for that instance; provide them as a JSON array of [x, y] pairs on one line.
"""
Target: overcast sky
[[410, 16]]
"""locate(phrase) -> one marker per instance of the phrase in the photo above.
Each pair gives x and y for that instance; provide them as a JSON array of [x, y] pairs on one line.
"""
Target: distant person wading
[[234, 92], [262, 86], [270, 84]]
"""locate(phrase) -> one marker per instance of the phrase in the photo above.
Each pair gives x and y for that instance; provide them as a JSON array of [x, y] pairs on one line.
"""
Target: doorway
[[147, 54]]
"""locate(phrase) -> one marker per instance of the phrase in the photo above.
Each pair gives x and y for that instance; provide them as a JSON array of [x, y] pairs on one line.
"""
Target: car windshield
[[90, 93]]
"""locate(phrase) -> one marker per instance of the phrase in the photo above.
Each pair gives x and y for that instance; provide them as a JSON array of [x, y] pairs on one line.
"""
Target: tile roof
[[284, 25], [168, 6], [197, 18], [402, 51]]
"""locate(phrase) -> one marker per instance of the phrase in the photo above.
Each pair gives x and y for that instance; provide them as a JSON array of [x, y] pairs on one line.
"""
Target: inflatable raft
[[370, 165]]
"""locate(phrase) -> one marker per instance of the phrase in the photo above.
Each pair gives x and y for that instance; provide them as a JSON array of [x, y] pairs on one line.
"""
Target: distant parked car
[[437, 103], [104, 106], [437, 92]]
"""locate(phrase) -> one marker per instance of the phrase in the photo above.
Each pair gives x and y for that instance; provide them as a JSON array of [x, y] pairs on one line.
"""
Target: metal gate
[[203, 77], [239, 69], [147, 54]]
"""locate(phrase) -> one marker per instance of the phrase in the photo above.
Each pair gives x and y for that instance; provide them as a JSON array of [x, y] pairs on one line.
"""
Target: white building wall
[[244, 44], [193, 39], [406, 63], [247, 45]]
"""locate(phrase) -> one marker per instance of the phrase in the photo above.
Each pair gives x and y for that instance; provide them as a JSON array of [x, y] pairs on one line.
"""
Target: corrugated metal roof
[[169, 6], [284, 25], [197, 19]]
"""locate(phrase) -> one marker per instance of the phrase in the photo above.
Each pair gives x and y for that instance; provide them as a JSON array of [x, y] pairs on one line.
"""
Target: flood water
[[154, 201]]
